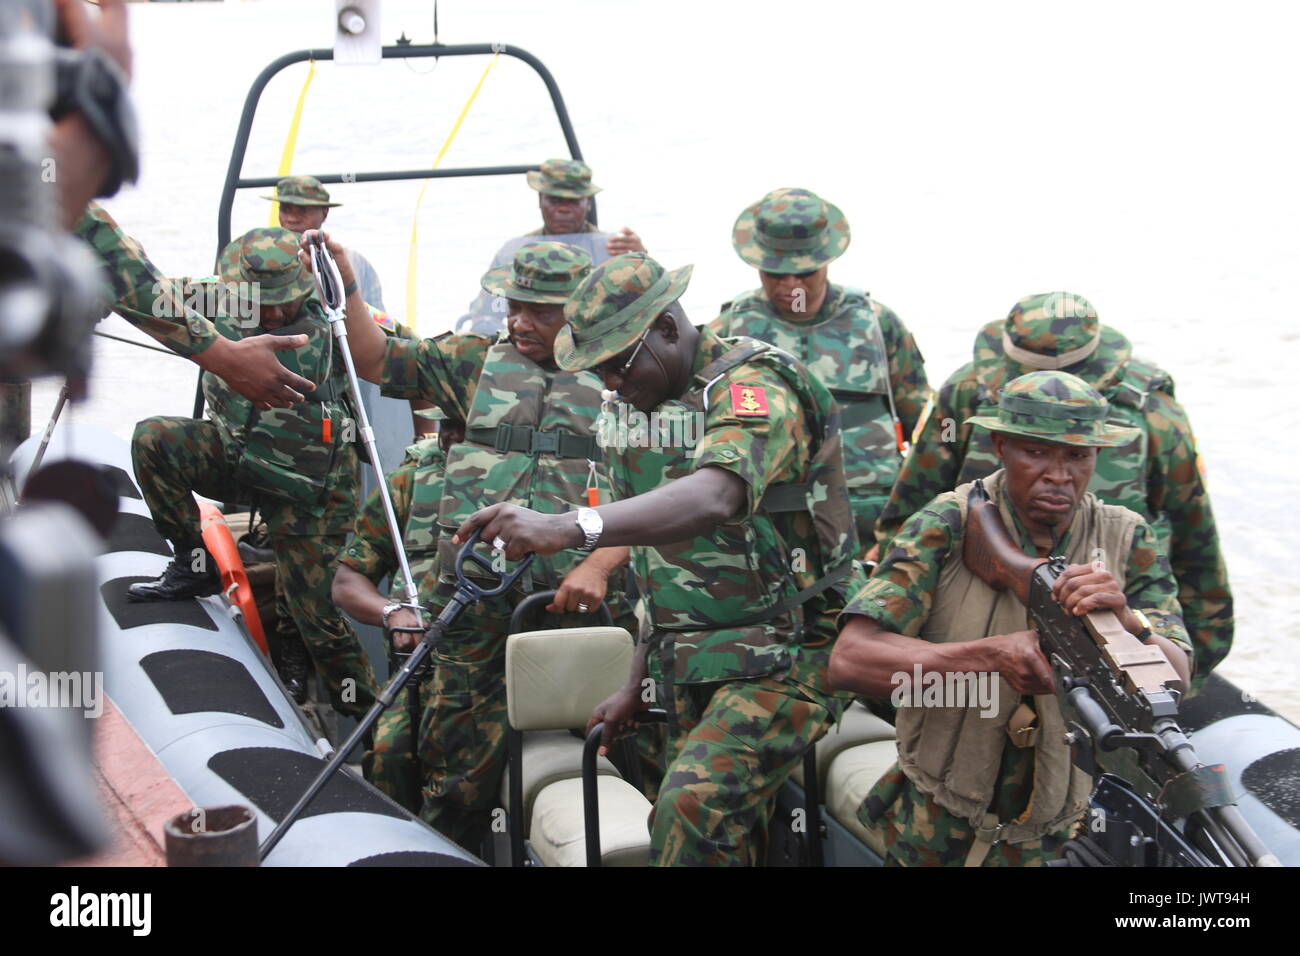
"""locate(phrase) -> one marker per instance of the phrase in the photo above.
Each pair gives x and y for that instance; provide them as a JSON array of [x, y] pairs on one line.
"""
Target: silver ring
[[498, 543], [583, 608]]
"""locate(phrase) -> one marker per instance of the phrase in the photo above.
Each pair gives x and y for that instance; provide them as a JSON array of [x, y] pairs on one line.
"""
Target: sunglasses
[[781, 275], [606, 367]]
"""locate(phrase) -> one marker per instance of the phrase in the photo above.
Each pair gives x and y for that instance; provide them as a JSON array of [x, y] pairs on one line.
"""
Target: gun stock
[[988, 550]]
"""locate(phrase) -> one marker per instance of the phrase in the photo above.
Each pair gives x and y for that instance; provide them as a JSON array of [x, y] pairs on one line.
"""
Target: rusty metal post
[[212, 836]]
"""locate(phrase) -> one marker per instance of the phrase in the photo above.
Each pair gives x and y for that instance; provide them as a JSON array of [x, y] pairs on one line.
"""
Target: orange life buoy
[[234, 581]]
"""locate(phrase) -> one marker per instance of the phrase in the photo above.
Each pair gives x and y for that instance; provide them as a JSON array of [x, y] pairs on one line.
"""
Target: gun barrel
[[1094, 718]]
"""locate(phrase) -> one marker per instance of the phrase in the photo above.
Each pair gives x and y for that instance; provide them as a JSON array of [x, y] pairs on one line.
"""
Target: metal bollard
[[212, 836]]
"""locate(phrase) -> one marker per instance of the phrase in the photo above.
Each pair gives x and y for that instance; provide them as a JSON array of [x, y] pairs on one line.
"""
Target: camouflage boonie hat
[[790, 231], [269, 257], [546, 272], [613, 307], [1051, 330], [567, 178], [301, 191], [1055, 407]]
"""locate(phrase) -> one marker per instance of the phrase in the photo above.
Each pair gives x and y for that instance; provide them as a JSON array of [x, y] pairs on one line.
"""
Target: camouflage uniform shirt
[[871, 457]]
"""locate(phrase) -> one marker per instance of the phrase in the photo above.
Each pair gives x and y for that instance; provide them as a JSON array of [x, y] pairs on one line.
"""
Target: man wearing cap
[[963, 780], [744, 548], [305, 204], [1158, 474], [565, 190], [298, 464], [529, 439], [858, 347]]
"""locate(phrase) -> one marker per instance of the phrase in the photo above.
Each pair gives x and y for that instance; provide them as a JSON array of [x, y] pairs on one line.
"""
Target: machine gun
[[1119, 698]]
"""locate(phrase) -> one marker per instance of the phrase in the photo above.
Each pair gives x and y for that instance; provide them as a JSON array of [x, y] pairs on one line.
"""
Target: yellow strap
[[415, 216], [291, 140]]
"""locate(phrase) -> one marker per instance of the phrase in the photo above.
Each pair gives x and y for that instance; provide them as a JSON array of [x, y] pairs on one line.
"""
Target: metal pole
[[49, 431], [330, 285]]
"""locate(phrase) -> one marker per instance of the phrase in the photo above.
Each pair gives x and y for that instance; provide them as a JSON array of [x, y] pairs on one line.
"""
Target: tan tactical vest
[[954, 753]]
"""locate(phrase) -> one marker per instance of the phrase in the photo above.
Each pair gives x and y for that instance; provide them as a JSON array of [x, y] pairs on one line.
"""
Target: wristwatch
[[1143, 635], [91, 84], [591, 526], [389, 609]]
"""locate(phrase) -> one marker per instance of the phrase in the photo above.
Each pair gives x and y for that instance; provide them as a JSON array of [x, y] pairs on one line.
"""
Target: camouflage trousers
[[456, 783], [176, 456], [737, 744], [916, 831]]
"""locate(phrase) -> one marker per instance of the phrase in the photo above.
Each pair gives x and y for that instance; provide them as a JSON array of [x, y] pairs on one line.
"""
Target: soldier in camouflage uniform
[[740, 502], [300, 465], [965, 789], [857, 347], [1158, 475], [140, 293], [565, 190], [529, 438], [367, 560]]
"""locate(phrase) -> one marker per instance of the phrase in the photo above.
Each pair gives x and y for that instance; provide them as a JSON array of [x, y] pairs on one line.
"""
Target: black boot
[[294, 664], [179, 580]]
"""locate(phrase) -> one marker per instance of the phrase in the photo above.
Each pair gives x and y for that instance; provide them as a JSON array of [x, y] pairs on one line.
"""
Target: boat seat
[[558, 835], [853, 772], [549, 757], [858, 726], [554, 680]]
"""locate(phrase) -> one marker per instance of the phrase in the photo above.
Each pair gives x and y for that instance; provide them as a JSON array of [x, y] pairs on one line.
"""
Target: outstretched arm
[[677, 511]]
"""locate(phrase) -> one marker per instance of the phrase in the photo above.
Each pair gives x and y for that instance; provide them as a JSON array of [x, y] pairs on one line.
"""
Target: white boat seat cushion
[[549, 756], [558, 836], [555, 679]]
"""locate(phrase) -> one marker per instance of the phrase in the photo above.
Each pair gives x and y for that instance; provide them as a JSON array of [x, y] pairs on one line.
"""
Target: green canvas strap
[[779, 499], [857, 409], [528, 440], [823, 583]]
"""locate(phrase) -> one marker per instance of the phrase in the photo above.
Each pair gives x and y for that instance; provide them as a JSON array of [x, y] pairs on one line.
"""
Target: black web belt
[[528, 440], [857, 409]]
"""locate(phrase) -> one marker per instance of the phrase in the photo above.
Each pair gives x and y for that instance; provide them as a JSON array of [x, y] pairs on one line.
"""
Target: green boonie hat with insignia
[[269, 257], [613, 307], [1051, 330], [567, 178], [790, 231], [301, 191], [545, 272], [1055, 407]]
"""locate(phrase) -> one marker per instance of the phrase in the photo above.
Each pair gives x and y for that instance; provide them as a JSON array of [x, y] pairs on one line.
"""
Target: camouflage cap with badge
[[1055, 407], [1050, 330], [566, 178], [268, 258], [613, 307], [790, 231], [301, 191], [543, 272]]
